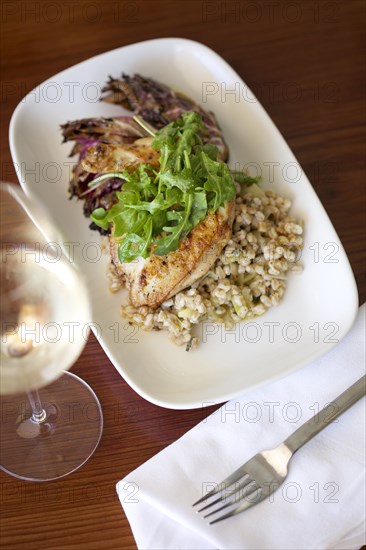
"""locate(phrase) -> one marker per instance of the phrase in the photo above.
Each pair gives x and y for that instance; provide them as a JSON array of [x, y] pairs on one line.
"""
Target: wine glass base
[[62, 442]]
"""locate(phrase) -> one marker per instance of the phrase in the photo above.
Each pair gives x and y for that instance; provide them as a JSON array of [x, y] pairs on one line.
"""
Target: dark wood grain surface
[[305, 62]]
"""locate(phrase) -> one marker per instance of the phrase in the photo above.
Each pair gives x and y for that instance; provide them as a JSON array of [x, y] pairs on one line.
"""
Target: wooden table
[[304, 60]]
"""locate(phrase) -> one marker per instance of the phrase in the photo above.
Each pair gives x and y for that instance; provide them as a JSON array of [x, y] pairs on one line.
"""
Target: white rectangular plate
[[320, 304]]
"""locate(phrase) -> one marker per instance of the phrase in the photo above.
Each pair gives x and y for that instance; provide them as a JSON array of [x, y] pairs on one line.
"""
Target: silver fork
[[266, 471]]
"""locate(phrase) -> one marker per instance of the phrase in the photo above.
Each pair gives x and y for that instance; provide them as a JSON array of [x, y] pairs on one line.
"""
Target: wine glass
[[51, 420]]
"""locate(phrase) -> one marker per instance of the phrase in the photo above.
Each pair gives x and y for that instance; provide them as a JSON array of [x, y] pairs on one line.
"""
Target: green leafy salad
[[156, 208]]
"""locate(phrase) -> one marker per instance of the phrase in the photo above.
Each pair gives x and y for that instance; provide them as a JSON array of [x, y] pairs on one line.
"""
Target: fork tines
[[235, 488]]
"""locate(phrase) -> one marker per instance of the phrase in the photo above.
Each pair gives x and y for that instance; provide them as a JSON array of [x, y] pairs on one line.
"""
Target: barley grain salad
[[190, 239]]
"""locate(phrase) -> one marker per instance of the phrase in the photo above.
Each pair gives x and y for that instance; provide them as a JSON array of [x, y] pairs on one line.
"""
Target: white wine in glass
[[51, 420]]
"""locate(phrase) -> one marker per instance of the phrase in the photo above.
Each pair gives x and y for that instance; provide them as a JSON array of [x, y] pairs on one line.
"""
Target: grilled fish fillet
[[155, 279], [112, 158]]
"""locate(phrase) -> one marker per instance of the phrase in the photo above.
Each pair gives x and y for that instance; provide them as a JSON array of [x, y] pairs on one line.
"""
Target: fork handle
[[320, 420]]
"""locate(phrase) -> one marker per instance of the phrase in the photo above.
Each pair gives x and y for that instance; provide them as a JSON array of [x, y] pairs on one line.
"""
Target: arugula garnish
[[156, 209]]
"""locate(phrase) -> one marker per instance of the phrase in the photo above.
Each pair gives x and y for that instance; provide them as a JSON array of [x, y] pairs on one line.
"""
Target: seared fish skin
[[155, 279], [113, 158]]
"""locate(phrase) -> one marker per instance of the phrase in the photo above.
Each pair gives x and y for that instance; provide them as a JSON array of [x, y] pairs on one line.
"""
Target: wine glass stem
[[38, 413]]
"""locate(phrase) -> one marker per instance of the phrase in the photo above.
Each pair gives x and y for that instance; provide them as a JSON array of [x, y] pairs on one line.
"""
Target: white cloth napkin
[[322, 502]]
